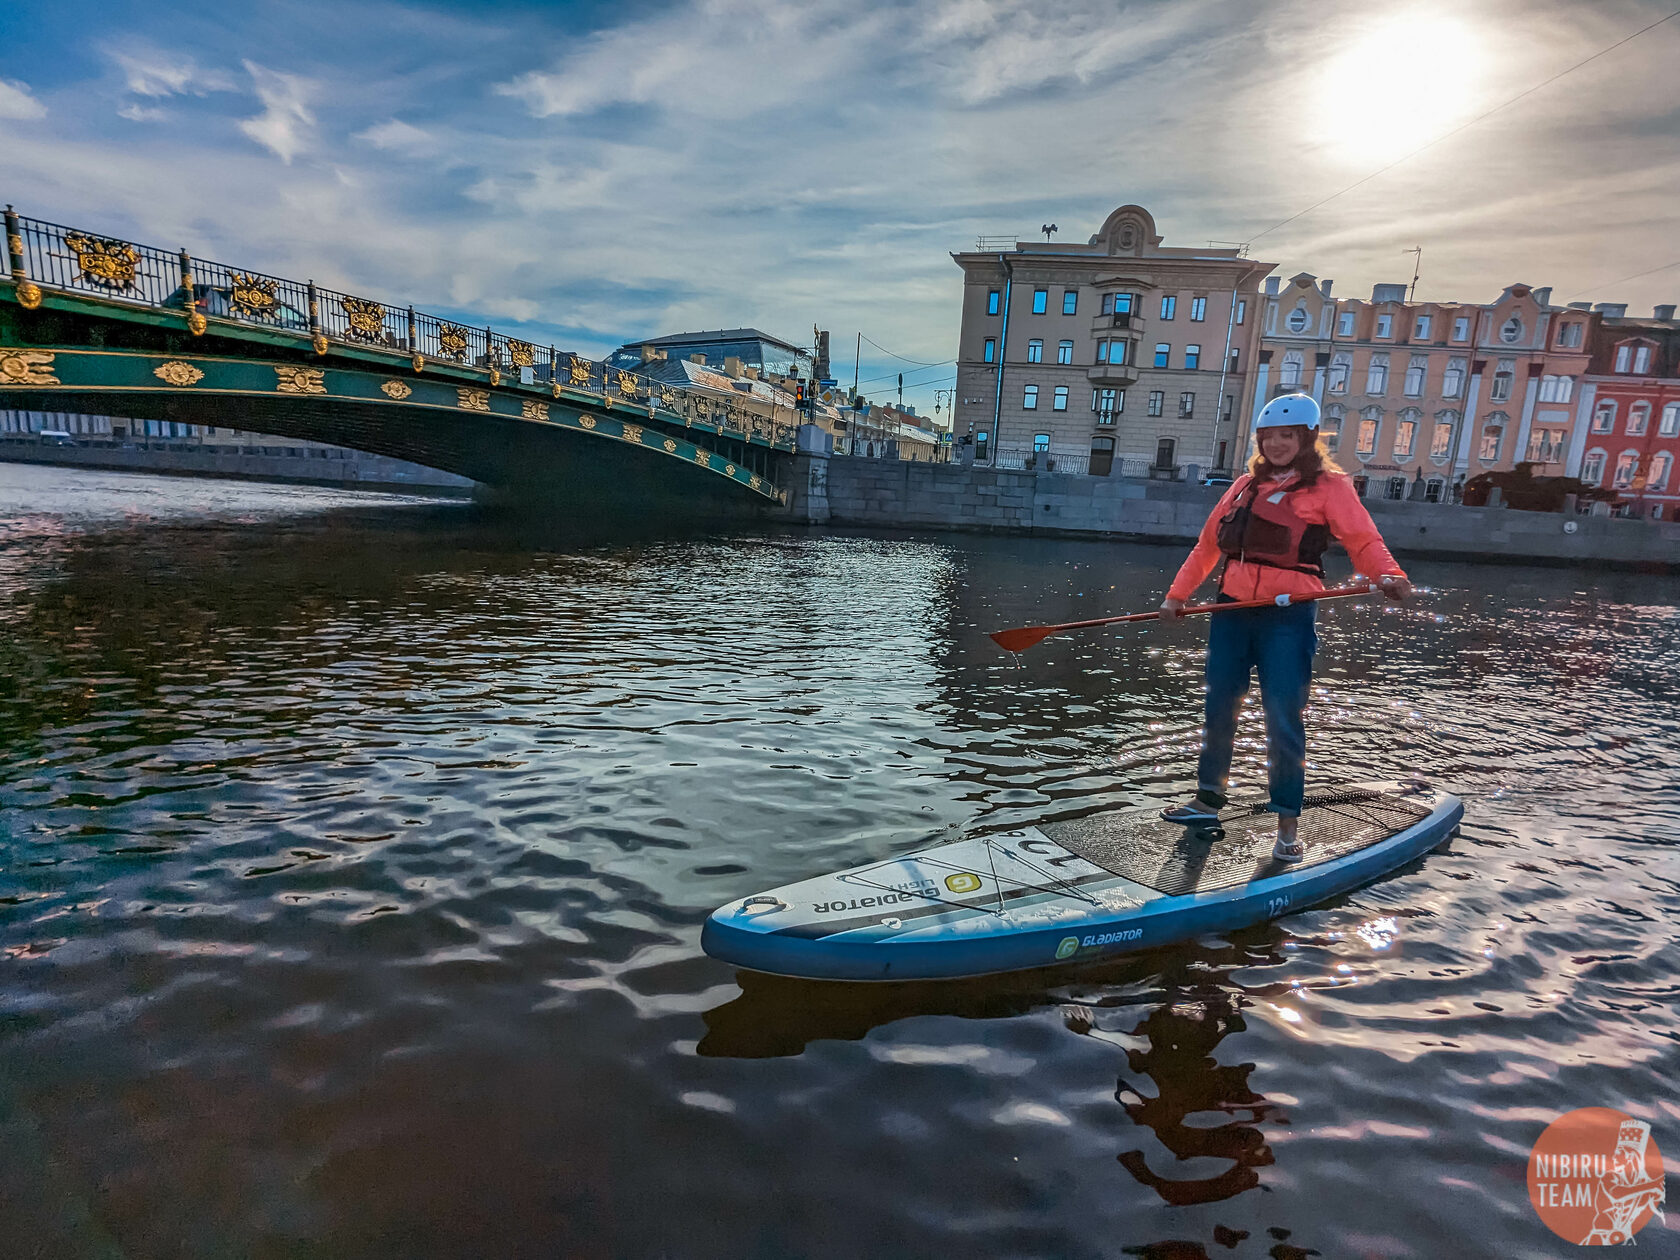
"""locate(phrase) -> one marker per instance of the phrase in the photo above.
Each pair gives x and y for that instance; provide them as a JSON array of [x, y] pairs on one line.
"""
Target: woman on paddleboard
[[1272, 528]]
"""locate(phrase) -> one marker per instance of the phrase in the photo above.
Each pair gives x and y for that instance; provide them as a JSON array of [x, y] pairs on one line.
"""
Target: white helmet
[[1288, 409]]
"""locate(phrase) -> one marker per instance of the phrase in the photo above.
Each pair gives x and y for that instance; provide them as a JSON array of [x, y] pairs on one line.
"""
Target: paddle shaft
[[1026, 636]]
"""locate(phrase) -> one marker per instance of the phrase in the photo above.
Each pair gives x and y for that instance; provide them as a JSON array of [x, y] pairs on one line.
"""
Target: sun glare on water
[[1400, 83]]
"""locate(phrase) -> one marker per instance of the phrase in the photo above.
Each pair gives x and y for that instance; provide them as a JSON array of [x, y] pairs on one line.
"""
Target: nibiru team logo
[[1595, 1176]]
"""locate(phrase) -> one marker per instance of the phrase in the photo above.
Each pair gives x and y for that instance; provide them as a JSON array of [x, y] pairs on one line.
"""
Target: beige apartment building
[[1119, 355], [1420, 396]]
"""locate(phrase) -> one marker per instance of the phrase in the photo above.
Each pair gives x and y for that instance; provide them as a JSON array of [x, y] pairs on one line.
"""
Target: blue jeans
[[1279, 642]]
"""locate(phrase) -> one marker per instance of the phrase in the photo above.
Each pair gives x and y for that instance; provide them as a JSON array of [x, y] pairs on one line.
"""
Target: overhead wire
[[896, 355], [1470, 123], [1594, 288]]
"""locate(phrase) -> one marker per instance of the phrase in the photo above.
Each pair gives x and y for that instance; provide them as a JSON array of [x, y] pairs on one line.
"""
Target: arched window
[[1452, 380], [1661, 464], [1504, 373], [1604, 415], [1341, 367], [1370, 421], [1432, 489], [1440, 440], [1330, 428], [1493, 433], [1291, 372], [1592, 467], [1416, 371], [1670, 424], [1405, 433], [1639, 418], [1376, 376], [1395, 488], [1627, 464]]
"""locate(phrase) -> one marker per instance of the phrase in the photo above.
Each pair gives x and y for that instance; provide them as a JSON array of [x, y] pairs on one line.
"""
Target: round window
[[1299, 319], [1511, 331]]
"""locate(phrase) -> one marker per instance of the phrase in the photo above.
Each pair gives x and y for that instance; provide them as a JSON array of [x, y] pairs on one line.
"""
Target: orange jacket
[[1332, 501]]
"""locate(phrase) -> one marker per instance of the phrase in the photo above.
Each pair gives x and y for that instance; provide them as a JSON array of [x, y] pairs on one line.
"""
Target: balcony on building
[[1129, 321], [1114, 374]]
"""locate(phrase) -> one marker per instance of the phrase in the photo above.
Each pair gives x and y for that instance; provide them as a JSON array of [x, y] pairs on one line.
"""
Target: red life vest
[[1261, 528]]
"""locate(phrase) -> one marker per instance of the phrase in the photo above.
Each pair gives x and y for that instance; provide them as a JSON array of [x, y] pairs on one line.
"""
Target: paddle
[[1023, 637]]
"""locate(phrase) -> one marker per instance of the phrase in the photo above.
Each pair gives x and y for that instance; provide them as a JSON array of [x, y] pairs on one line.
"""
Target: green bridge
[[99, 326]]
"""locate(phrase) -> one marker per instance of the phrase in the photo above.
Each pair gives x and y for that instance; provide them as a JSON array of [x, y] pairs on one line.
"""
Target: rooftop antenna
[[1418, 250], [1047, 229]]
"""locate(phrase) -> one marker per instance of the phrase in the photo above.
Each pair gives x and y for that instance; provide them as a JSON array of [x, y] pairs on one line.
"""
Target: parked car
[[56, 437]]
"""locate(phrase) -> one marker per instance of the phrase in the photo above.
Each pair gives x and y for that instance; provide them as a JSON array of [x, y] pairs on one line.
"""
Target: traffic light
[[801, 399]]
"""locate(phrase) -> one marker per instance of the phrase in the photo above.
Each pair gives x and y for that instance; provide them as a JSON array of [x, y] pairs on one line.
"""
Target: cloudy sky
[[589, 173]]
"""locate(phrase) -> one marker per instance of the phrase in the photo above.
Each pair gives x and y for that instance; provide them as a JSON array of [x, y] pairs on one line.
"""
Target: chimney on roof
[[652, 354], [1664, 312], [1611, 310], [1543, 296], [751, 373], [1271, 286], [1580, 306], [1388, 293], [1324, 288], [697, 358], [732, 367]]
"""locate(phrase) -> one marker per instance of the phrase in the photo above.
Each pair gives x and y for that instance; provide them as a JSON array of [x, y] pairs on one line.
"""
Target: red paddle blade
[[1023, 637]]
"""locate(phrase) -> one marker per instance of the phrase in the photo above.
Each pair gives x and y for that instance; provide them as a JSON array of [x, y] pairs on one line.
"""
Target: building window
[[1029, 398], [1627, 464], [1107, 403], [1491, 436], [1330, 428], [1035, 351], [1163, 352], [1461, 328], [1187, 404], [1198, 308], [1064, 352], [1440, 443], [1344, 324], [1405, 436], [1545, 446], [1670, 424], [1420, 331], [1070, 301], [1367, 437], [1123, 303], [1192, 357], [1168, 306], [1416, 371], [1394, 488], [1569, 336], [1452, 380], [1624, 357], [1041, 301], [1341, 367], [1657, 478], [1376, 376], [1242, 309], [1041, 444], [1236, 354], [1557, 388], [1385, 325], [1299, 320], [1059, 400], [1107, 303], [1432, 490], [1119, 351], [1102, 352], [1604, 415], [1157, 400], [1511, 331], [1642, 359], [992, 299], [991, 350], [1592, 467], [1290, 372], [1503, 375], [1639, 418]]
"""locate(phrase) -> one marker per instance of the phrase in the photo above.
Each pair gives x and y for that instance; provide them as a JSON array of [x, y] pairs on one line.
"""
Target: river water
[[354, 853]]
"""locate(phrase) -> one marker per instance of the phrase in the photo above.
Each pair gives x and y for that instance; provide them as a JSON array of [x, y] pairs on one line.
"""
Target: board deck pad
[[1174, 859]]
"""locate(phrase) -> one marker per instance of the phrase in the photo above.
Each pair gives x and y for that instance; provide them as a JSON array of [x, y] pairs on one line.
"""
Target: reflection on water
[[353, 857]]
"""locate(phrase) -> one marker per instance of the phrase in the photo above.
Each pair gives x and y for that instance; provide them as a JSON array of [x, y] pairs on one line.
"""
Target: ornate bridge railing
[[64, 258]]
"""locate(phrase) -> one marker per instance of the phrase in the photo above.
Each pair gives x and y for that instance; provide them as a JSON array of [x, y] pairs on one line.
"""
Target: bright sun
[[1399, 84]]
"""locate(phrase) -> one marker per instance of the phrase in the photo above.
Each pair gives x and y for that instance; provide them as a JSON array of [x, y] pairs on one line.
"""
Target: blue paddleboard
[[1074, 891]]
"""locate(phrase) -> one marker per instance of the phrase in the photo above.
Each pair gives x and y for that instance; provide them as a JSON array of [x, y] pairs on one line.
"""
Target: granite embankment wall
[[843, 490], [364, 472]]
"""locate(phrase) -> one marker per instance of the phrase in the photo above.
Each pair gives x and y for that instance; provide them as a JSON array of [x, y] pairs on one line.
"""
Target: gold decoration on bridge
[[367, 319], [523, 353], [178, 373], [319, 341], [670, 447], [28, 367], [419, 362], [530, 409], [396, 390], [703, 458], [667, 399], [755, 481], [15, 244], [196, 323], [587, 422], [28, 294], [473, 399], [582, 370], [729, 470], [452, 338], [108, 264], [555, 389], [495, 375], [300, 380], [254, 297], [632, 433], [627, 384]]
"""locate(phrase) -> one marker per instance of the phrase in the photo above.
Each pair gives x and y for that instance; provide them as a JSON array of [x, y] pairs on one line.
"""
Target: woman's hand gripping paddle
[[1023, 637]]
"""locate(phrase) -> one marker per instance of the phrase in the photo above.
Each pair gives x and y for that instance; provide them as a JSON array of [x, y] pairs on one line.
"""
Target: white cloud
[[141, 113], [286, 124], [16, 101], [394, 134], [154, 73]]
